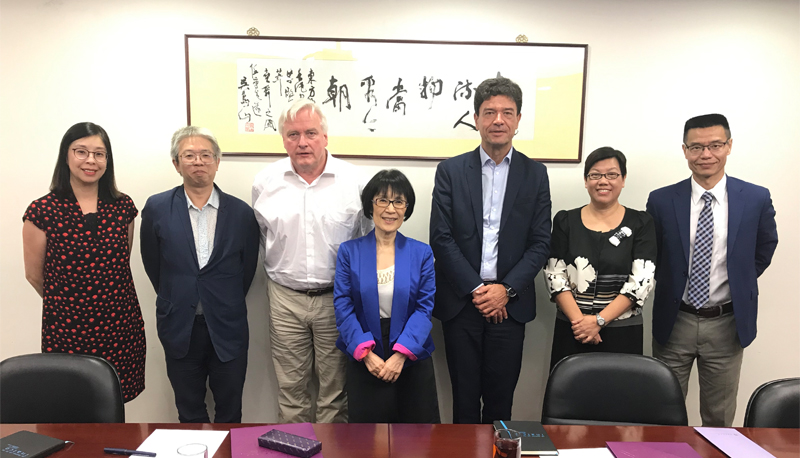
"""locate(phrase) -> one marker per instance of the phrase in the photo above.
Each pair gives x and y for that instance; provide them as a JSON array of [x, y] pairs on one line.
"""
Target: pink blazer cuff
[[362, 349], [401, 349]]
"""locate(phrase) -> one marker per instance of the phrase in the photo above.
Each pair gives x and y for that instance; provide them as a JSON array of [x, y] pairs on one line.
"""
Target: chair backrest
[[775, 404], [613, 389], [59, 388]]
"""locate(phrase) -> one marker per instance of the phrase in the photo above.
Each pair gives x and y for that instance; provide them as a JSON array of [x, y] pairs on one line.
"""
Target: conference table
[[405, 440]]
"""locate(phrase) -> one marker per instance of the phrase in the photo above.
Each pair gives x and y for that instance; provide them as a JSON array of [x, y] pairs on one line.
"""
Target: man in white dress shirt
[[306, 205]]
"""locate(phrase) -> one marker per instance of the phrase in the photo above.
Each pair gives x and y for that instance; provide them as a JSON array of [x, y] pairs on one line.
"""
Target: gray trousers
[[714, 343], [303, 336]]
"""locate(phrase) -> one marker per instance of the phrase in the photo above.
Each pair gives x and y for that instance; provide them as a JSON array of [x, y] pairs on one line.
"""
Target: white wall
[[652, 65]]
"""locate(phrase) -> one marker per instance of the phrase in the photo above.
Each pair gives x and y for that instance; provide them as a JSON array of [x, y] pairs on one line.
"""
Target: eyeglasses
[[82, 154], [713, 147], [594, 176], [205, 158], [398, 204]]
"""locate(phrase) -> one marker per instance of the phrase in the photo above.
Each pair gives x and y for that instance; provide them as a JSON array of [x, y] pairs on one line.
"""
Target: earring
[[516, 132]]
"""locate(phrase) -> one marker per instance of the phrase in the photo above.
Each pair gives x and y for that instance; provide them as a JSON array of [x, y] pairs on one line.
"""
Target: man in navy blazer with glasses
[[715, 236], [200, 251]]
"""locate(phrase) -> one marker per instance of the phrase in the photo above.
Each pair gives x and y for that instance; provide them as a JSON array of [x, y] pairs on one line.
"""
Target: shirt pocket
[[338, 227]]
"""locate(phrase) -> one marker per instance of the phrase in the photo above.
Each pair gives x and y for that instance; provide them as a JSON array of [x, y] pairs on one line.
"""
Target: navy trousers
[[188, 376]]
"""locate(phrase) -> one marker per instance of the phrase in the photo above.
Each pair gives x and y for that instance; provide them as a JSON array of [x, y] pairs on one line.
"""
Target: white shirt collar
[[719, 191], [332, 167], [213, 200], [485, 157]]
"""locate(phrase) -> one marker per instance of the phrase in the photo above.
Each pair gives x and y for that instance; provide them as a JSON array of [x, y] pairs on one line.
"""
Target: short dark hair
[[709, 120], [603, 153], [107, 186], [498, 86], [380, 184]]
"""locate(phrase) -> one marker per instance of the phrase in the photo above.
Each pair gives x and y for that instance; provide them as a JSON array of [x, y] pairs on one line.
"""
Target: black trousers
[[619, 339], [411, 398], [188, 376], [484, 360]]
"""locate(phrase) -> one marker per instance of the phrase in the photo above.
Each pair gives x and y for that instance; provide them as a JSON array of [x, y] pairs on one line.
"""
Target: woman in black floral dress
[[77, 241], [601, 266]]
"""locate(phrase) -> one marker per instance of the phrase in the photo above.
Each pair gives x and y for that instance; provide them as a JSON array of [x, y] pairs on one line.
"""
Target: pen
[[124, 451]]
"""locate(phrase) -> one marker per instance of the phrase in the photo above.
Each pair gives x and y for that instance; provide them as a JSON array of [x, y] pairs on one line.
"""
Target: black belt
[[708, 312], [314, 292]]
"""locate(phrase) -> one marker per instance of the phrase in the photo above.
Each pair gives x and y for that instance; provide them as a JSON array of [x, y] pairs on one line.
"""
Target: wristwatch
[[600, 321], [509, 291]]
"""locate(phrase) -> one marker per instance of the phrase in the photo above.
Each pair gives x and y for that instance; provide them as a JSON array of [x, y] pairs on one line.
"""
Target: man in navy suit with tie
[[716, 235], [490, 234], [200, 251]]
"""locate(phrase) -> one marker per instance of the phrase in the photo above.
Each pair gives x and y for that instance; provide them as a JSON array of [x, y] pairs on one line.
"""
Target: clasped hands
[[491, 301], [388, 370], [586, 330]]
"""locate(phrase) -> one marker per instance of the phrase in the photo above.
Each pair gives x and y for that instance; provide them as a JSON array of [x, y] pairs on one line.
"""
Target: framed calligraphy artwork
[[388, 99]]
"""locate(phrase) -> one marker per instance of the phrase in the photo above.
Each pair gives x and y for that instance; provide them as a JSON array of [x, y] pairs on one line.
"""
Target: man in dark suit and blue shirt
[[716, 235], [490, 234], [200, 250]]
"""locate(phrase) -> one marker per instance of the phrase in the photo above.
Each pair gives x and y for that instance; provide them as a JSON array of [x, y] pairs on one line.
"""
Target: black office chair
[[613, 389], [775, 404], [59, 388]]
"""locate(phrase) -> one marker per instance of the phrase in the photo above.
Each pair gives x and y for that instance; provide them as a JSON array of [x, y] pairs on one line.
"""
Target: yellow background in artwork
[[213, 104]]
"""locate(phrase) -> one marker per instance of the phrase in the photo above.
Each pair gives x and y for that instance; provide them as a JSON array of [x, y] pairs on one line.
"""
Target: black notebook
[[535, 440], [25, 444]]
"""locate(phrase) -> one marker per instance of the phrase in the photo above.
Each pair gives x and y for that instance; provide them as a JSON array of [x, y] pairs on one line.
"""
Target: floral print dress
[[598, 266]]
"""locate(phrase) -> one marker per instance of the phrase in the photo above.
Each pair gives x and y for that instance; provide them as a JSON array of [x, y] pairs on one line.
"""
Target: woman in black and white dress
[[601, 266]]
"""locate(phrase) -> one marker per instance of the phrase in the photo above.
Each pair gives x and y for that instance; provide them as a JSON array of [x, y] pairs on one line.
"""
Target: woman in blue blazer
[[383, 298]]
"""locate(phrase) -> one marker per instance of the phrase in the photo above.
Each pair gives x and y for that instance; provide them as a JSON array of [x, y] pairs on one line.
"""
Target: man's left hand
[[497, 316], [491, 301]]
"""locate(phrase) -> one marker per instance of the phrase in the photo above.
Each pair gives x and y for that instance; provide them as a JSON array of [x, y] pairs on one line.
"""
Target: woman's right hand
[[586, 329], [34, 247], [374, 364]]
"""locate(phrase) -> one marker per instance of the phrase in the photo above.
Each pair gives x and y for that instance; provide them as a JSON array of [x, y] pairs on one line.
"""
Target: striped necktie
[[701, 258]]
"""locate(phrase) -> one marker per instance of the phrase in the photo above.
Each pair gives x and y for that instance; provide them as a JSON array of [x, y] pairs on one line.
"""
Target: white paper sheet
[[602, 452], [165, 442]]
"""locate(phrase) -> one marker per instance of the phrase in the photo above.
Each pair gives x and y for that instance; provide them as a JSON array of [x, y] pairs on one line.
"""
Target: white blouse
[[386, 291]]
